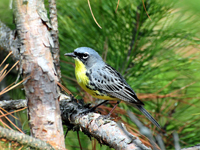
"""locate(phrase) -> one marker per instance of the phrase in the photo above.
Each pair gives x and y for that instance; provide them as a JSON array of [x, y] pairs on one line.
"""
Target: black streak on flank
[[88, 75]]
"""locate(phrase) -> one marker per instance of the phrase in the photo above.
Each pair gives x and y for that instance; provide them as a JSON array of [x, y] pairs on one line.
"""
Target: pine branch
[[106, 131], [13, 104], [23, 139]]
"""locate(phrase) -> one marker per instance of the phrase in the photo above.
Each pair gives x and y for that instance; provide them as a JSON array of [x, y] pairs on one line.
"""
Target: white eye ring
[[86, 55]]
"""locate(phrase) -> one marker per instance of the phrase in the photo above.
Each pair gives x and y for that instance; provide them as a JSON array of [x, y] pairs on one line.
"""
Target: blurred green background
[[159, 58]]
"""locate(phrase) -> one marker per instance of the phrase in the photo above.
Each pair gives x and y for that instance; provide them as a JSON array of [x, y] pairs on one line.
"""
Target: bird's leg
[[93, 108], [108, 115]]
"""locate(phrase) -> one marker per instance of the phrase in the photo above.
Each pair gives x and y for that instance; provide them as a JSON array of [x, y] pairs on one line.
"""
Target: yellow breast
[[80, 73], [83, 81]]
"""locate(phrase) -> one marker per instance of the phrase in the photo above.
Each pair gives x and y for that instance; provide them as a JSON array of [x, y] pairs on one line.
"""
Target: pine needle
[[12, 87], [145, 9], [93, 15], [12, 67], [10, 113], [3, 72], [7, 113], [12, 122], [117, 6], [6, 58], [65, 89]]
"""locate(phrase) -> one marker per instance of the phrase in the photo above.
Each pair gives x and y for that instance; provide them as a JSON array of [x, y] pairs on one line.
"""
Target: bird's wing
[[110, 81]]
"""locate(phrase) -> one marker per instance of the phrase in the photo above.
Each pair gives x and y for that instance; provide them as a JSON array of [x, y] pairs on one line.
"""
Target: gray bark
[[8, 41], [54, 35], [37, 64]]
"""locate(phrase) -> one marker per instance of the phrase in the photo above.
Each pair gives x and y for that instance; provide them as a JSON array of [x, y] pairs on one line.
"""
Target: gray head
[[86, 55]]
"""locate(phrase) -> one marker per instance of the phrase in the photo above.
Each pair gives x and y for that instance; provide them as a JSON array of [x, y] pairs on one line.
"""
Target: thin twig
[[12, 123], [176, 141], [143, 130], [79, 140], [64, 88], [160, 142]]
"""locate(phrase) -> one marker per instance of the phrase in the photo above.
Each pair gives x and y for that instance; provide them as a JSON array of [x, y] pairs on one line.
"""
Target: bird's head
[[86, 55]]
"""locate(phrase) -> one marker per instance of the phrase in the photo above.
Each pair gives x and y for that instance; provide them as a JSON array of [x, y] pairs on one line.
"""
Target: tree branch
[[197, 147], [54, 35], [8, 41], [24, 139], [13, 104], [106, 131]]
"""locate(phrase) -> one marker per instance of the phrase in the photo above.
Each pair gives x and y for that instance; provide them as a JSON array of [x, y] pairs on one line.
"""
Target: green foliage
[[153, 55], [6, 14]]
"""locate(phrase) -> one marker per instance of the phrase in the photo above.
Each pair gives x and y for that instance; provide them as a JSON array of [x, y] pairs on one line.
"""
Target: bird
[[103, 82]]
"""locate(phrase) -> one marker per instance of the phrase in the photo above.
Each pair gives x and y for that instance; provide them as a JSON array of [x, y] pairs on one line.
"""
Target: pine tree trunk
[[37, 64]]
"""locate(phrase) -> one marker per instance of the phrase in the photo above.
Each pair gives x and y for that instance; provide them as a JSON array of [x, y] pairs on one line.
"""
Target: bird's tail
[[148, 115]]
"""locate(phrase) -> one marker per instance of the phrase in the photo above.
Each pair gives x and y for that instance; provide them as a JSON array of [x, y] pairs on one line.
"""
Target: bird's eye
[[85, 55], [75, 53]]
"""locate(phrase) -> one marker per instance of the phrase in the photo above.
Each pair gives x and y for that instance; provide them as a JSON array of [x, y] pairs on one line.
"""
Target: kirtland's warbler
[[102, 81]]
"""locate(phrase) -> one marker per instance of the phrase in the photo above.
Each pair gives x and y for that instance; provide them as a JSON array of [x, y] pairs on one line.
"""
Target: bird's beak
[[70, 54]]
